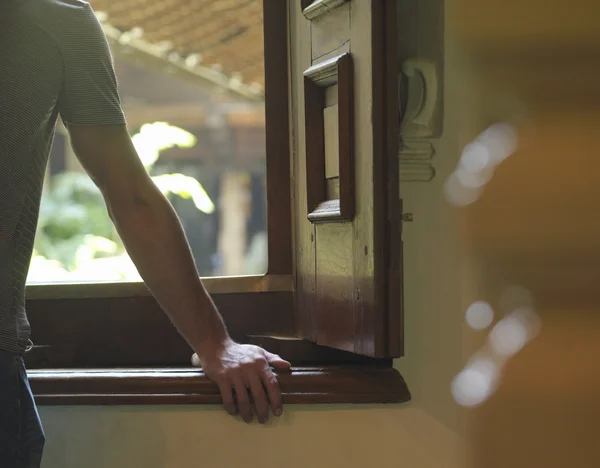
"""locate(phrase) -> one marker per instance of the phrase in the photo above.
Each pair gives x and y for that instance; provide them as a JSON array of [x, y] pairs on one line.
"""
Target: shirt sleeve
[[89, 94]]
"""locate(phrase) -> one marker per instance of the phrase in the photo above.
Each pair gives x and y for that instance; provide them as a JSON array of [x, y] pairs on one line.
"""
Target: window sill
[[152, 386]]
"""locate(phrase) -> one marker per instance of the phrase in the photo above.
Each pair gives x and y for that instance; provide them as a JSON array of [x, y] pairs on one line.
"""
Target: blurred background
[[191, 79], [527, 194]]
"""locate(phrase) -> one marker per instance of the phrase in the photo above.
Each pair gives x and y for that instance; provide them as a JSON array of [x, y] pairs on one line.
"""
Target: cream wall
[[421, 434]]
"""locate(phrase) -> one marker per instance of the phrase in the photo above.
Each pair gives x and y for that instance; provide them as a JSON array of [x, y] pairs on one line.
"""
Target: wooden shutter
[[345, 119]]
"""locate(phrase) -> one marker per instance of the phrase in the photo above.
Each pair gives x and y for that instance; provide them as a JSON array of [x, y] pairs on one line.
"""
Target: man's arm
[[154, 239]]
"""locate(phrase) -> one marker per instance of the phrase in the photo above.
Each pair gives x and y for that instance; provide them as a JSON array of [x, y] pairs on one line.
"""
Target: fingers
[[243, 400], [256, 377], [259, 396], [227, 397], [277, 362], [242, 369], [269, 380], [271, 384]]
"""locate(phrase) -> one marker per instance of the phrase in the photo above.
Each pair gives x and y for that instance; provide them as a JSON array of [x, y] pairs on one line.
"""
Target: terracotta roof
[[220, 40]]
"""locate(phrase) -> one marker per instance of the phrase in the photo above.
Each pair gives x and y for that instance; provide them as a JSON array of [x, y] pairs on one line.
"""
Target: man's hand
[[245, 371], [162, 256]]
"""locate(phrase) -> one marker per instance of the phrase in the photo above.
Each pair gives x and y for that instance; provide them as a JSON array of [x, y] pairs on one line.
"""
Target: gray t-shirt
[[54, 60]]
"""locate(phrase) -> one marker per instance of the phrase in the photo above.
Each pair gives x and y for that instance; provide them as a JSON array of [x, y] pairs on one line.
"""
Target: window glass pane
[[191, 82]]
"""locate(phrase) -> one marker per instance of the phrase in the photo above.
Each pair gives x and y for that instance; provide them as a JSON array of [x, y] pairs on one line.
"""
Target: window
[[200, 131], [330, 296]]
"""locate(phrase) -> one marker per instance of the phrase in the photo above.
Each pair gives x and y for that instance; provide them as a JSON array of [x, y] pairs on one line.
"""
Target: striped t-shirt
[[54, 60]]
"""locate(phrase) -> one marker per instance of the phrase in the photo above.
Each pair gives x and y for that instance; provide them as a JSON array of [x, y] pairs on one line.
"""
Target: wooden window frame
[[335, 71], [112, 344]]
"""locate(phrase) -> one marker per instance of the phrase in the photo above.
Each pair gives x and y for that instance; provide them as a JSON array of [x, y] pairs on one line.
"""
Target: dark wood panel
[[377, 234], [279, 204], [314, 125], [335, 286], [305, 353], [134, 331], [346, 135], [317, 79], [356, 283], [304, 238], [393, 233], [351, 384]]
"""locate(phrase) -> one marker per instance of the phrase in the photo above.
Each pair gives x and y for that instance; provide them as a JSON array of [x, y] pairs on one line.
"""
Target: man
[[55, 60]]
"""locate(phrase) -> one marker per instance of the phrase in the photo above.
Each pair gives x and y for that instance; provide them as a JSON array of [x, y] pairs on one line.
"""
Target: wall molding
[[422, 120], [416, 160], [423, 107]]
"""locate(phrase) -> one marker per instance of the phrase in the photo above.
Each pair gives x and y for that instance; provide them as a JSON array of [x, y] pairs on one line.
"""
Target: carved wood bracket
[[422, 120]]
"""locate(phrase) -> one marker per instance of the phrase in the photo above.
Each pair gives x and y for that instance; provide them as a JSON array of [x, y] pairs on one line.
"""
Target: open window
[[347, 207], [330, 300]]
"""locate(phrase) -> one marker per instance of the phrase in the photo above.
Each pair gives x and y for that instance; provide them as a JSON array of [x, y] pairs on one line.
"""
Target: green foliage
[[76, 238], [73, 215]]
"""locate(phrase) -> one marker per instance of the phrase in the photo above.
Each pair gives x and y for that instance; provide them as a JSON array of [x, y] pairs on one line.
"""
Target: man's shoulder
[[56, 17], [58, 5], [55, 12]]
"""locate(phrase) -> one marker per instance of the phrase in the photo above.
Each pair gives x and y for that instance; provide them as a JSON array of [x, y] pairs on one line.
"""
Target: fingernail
[[278, 412]]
